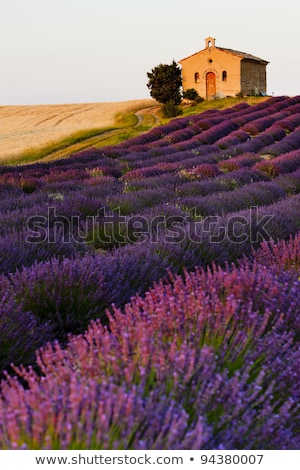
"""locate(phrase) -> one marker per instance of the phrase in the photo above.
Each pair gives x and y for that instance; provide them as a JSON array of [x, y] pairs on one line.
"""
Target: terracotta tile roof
[[244, 55]]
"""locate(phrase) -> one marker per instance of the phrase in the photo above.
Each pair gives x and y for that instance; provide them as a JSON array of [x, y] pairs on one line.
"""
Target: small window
[[197, 77], [224, 75]]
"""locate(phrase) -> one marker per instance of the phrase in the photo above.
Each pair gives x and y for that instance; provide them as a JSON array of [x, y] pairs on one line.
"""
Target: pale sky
[[79, 51]]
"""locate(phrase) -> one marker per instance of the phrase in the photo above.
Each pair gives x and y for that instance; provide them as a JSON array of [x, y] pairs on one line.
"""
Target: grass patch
[[220, 103]]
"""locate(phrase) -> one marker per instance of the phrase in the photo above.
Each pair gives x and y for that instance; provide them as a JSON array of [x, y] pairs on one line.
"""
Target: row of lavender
[[102, 226], [209, 360]]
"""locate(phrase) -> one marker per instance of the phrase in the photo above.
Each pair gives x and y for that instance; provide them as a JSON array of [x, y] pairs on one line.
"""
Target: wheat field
[[31, 127]]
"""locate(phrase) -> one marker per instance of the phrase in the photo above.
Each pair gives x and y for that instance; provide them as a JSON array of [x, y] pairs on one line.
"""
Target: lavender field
[[150, 294]]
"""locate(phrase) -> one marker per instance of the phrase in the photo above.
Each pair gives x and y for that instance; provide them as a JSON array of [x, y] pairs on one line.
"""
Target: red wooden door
[[211, 89]]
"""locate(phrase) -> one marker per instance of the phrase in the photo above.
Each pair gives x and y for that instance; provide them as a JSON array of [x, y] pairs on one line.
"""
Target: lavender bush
[[20, 332], [169, 362]]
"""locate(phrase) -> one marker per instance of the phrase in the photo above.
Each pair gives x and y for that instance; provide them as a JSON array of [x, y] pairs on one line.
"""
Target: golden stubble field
[[26, 127]]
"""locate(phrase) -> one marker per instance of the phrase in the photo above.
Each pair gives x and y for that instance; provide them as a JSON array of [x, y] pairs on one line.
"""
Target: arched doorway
[[211, 88]]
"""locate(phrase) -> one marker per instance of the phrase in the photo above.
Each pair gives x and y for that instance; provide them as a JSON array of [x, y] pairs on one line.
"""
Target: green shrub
[[192, 95], [171, 110]]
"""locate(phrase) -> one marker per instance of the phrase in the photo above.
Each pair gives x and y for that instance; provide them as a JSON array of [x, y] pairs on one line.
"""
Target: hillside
[[51, 132], [159, 281]]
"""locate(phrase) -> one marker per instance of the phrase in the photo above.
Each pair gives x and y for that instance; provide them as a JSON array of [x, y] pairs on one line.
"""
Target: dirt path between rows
[[140, 114]]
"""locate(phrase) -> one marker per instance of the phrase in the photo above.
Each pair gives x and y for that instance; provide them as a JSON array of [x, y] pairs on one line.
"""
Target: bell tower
[[209, 42]]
